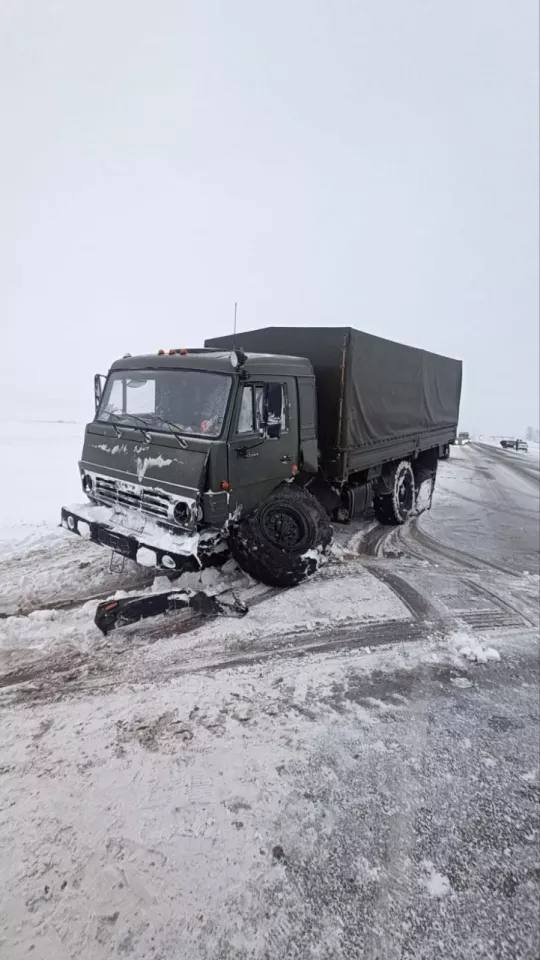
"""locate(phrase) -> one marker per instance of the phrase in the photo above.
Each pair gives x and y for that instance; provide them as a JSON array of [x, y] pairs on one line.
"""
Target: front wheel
[[281, 541], [398, 505]]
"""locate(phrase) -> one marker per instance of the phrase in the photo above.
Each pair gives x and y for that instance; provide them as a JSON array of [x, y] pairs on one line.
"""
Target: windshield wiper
[[146, 426], [173, 428], [132, 416]]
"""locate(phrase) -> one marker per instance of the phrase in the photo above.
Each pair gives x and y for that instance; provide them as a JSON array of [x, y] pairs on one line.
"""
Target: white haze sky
[[370, 163]]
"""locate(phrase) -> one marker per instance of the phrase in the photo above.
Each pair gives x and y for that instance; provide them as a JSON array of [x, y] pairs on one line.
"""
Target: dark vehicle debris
[[117, 613]]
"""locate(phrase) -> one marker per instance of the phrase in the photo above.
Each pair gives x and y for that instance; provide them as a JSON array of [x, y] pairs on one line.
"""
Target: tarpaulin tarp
[[369, 390]]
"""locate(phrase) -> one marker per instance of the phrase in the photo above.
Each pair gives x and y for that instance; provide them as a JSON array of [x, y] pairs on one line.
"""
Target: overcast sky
[[365, 163]]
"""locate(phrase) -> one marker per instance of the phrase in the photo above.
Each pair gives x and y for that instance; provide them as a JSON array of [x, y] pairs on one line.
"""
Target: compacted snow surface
[[350, 771]]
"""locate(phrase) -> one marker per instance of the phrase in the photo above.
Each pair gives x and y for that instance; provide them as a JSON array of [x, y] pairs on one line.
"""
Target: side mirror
[[273, 402], [98, 389]]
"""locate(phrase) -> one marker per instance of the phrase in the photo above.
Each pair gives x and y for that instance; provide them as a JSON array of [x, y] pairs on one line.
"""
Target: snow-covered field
[[349, 771], [39, 473]]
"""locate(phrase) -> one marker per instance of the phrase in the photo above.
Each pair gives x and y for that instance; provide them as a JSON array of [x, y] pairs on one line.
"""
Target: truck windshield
[[187, 401]]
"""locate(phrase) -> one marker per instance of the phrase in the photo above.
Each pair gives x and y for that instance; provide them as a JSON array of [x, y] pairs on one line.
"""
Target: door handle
[[285, 458], [247, 453]]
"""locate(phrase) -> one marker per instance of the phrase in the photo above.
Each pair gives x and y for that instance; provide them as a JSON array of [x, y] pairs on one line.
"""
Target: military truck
[[254, 444]]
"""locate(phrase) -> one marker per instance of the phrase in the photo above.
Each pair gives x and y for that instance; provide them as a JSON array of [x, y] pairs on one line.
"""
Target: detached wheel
[[397, 506], [271, 543]]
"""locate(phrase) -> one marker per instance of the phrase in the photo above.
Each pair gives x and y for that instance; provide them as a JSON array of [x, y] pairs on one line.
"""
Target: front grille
[[138, 498]]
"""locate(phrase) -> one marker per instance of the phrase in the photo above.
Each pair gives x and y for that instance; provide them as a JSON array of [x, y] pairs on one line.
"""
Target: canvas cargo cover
[[370, 391]]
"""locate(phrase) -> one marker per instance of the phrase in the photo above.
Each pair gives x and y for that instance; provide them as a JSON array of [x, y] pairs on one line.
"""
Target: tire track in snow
[[62, 577], [525, 468], [418, 604], [59, 676], [371, 542], [83, 675], [77, 673], [137, 635], [71, 603], [482, 589], [426, 547], [480, 502]]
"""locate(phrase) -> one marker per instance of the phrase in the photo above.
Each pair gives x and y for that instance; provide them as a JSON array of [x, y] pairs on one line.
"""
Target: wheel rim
[[284, 528]]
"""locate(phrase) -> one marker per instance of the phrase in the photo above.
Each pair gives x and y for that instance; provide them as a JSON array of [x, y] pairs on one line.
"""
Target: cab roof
[[217, 361]]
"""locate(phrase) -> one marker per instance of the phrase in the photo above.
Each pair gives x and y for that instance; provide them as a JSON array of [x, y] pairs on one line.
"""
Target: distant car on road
[[462, 438], [515, 445]]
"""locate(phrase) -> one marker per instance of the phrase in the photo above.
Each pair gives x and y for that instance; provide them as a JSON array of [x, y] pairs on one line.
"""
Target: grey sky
[[371, 164]]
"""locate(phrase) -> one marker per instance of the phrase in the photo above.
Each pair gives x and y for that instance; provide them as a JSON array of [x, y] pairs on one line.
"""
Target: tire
[[271, 542], [424, 478], [398, 505]]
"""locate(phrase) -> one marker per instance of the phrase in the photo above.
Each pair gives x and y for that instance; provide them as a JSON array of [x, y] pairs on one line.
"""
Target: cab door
[[258, 458]]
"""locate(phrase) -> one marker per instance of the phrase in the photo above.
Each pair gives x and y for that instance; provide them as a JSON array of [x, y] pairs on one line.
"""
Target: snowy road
[[350, 771]]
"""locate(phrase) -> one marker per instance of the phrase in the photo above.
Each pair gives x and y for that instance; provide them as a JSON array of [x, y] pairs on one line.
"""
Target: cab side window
[[259, 407], [246, 417], [253, 415], [276, 398], [284, 408]]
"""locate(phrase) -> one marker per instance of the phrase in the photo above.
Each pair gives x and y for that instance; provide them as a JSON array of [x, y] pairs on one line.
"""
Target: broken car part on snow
[[253, 445], [118, 613]]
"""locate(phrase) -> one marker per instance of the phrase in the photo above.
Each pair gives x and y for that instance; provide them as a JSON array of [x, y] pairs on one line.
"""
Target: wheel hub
[[283, 528]]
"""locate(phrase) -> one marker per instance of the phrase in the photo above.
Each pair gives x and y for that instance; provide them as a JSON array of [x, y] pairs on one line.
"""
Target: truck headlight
[[182, 513], [87, 483]]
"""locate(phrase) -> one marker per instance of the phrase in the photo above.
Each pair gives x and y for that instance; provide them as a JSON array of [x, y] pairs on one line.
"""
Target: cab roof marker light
[[238, 358]]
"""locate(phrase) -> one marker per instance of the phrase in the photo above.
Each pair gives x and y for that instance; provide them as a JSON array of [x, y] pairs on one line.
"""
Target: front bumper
[[131, 535]]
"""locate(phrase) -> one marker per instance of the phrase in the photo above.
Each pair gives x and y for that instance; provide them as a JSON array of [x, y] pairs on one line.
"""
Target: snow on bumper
[[134, 536]]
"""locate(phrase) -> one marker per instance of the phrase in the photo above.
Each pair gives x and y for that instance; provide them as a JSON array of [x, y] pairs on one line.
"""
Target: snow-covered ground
[[349, 771], [39, 473]]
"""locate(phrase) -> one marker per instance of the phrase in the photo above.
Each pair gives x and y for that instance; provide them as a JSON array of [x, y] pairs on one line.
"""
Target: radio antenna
[[234, 329]]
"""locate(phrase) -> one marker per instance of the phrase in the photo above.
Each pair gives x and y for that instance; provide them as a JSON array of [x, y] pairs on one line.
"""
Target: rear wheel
[[398, 504], [279, 543], [425, 473]]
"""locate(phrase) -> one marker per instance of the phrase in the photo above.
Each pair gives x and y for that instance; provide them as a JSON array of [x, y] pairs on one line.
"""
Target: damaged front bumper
[[134, 536], [117, 613]]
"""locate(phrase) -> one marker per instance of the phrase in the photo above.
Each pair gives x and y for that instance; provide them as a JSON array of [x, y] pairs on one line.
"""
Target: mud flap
[[117, 613]]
